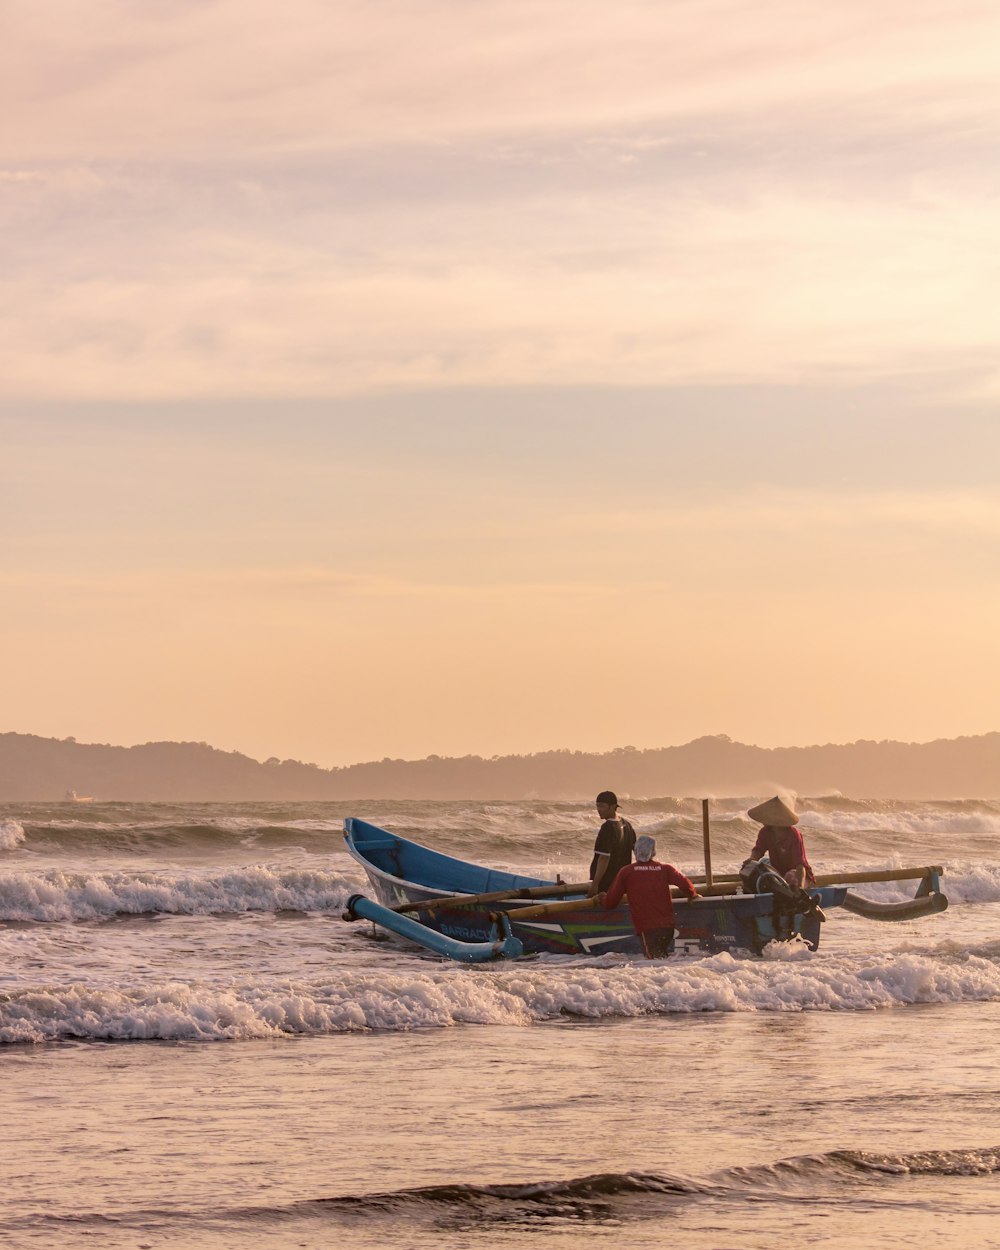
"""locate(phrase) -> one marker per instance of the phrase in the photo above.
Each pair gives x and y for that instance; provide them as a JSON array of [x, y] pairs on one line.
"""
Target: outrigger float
[[472, 914]]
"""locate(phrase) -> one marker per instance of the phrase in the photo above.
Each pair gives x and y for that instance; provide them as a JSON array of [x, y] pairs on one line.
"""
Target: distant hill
[[47, 768]]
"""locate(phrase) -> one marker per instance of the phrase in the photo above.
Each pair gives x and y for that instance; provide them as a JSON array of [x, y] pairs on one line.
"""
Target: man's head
[[607, 804], [645, 848]]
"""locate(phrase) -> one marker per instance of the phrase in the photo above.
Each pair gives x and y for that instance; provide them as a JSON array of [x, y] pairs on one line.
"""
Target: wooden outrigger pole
[[927, 901], [706, 838], [560, 890]]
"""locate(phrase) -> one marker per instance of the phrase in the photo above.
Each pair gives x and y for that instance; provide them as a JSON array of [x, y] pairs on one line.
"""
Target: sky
[[392, 379]]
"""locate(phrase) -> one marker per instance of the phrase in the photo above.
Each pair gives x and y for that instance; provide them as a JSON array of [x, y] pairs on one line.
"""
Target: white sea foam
[[524, 994], [961, 882], [949, 822], [11, 834], [973, 883], [60, 896]]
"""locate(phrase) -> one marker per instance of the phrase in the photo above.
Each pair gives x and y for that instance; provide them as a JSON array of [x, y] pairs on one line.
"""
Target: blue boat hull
[[401, 871]]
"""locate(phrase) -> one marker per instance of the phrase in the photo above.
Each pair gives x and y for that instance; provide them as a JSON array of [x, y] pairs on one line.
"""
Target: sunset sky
[[385, 379]]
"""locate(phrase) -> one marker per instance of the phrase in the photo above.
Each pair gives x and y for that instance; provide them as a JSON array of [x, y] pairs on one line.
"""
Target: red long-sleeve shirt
[[784, 848], [648, 888]]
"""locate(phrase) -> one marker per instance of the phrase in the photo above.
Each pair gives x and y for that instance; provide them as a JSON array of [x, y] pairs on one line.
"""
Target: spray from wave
[[11, 834]]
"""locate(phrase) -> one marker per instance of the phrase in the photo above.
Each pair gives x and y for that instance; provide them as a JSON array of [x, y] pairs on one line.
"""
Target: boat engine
[[757, 876]]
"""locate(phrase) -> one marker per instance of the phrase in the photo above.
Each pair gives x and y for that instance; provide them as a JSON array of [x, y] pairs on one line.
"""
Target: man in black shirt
[[614, 845]]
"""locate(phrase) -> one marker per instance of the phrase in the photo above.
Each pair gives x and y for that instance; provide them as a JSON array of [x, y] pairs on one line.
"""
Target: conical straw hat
[[774, 812]]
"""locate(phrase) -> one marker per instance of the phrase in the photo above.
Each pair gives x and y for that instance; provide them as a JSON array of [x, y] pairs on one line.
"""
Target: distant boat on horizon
[[73, 797]]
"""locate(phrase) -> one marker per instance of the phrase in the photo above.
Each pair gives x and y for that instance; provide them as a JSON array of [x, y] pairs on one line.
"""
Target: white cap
[[645, 848]]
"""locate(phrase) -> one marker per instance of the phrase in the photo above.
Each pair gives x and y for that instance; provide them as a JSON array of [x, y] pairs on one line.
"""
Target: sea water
[[196, 1050]]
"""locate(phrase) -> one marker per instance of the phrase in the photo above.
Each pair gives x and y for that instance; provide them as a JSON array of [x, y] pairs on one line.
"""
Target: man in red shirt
[[647, 884]]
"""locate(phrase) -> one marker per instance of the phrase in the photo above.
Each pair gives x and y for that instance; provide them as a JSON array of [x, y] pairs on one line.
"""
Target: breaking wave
[[595, 1199], [532, 829], [838, 1168], [59, 896], [80, 896], [525, 994], [11, 834]]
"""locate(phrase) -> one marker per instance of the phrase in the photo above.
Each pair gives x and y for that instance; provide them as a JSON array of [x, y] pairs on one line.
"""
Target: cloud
[[117, 79], [217, 200], [778, 288], [966, 514]]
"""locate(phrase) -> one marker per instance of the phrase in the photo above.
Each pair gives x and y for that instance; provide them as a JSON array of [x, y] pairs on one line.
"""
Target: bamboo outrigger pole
[[559, 890], [722, 887], [888, 874], [707, 840]]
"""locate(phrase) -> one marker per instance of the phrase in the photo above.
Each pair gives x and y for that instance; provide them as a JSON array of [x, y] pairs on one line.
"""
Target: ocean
[[196, 1051]]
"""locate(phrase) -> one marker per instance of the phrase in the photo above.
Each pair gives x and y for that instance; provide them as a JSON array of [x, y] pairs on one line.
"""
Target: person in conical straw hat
[[780, 841]]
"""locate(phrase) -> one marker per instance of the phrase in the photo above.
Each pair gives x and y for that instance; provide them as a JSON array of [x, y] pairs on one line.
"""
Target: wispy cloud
[[448, 195], [227, 75], [778, 288], [959, 515]]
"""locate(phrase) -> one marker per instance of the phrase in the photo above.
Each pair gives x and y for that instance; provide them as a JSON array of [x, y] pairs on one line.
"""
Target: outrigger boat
[[472, 913]]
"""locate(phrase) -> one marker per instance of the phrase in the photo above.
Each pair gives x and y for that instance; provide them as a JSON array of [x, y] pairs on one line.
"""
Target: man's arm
[[602, 867], [798, 849], [614, 896], [678, 879], [797, 869], [603, 846]]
